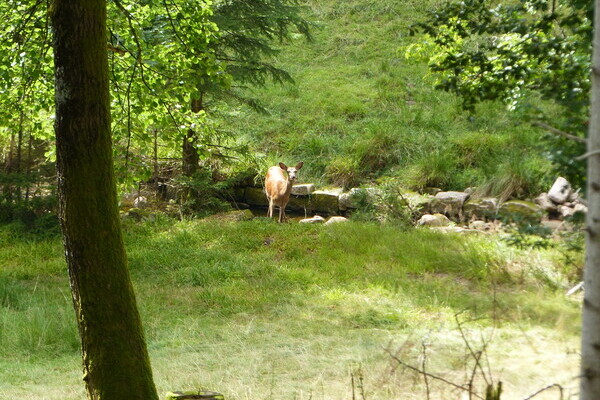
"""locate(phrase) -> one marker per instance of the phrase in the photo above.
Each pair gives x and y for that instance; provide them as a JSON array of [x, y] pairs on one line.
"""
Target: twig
[[575, 288], [559, 132], [476, 355], [439, 378], [560, 389], [425, 374], [588, 154]]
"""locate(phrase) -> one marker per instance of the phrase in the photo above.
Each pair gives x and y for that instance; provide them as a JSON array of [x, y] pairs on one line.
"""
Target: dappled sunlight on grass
[[259, 309]]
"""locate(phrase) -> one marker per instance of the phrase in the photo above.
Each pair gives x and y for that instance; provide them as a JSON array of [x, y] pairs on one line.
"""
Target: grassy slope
[[361, 110], [294, 318]]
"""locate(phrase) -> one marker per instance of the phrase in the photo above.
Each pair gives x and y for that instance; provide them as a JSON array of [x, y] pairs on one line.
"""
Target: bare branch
[[556, 385], [559, 132], [439, 378]]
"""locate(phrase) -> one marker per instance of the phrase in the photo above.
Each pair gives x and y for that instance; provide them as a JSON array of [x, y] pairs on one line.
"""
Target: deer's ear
[[299, 165], [283, 166]]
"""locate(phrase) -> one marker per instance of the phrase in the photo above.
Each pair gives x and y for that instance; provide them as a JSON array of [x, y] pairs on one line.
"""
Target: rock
[[434, 220], [580, 208], [566, 211], [255, 197], [336, 220], [470, 190], [140, 202], [353, 198], [449, 203], [574, 196], [480, 208], [303, 189], [317, 219], [454, 229], [518, 209], [431, 190], [552, 224], [543, 200], [137, 214], [560, 191], [326, 200], [480, 225]]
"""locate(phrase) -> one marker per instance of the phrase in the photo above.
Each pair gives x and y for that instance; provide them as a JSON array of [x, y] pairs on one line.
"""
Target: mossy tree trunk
[[590, 349], [115, 359], [190, 156]]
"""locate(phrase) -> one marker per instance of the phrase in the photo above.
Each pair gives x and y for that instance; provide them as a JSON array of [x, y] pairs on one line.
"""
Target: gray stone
[[543, 200], [434, 220], [566, 211], [481, 225], [449, 203], [560, 191], [303, 189], [326, 200], [480, 208], [352, 198], [574, 196], [520, 209], [336, 220], [140, 202], [317, 219]]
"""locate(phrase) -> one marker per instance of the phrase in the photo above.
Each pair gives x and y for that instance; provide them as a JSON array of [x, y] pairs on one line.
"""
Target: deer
[[278, 187]]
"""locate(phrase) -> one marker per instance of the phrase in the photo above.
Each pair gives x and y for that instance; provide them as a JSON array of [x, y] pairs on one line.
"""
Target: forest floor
[[259, 310]]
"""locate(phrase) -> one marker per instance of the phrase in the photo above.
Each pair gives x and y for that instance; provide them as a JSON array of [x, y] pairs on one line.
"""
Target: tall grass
[[362, 110], [275, 310]]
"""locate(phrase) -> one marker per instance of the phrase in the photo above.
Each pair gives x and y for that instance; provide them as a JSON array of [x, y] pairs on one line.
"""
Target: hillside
[[361, 111]]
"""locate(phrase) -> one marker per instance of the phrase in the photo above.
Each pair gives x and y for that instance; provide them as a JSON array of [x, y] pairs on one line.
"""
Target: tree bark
[[115, 359], [190, 157], [590, 348]]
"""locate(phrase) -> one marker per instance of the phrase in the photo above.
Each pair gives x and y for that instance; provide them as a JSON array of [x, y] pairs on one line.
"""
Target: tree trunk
[[115, 359], [190, 157], [590, 349]]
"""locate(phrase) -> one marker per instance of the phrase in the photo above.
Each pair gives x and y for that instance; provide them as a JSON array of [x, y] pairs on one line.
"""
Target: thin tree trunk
[[190, 157], [29, 166], [590, 349], [115, 359], [19, 152]]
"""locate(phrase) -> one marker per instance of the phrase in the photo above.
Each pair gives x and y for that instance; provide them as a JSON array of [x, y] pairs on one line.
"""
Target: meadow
[[257, 309]]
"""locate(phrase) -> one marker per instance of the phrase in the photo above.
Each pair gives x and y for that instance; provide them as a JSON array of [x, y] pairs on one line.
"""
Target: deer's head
[[291, 171]]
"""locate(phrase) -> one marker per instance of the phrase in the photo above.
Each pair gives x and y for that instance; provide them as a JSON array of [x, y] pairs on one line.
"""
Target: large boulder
[[483, 208], [519, 209], [560, 191], [543, 200], [303, 189], [326, 200], [434, 220], [449, 203]]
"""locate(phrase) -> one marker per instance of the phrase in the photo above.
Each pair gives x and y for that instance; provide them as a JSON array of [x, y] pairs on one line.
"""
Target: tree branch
[[559, 132]]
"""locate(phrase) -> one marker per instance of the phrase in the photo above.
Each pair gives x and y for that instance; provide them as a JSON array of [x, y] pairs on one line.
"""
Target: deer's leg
[[281, 213], [271, 205]]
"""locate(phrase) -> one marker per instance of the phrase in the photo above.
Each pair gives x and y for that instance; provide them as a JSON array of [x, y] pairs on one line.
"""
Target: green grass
[[264, 310], [361, 111]]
